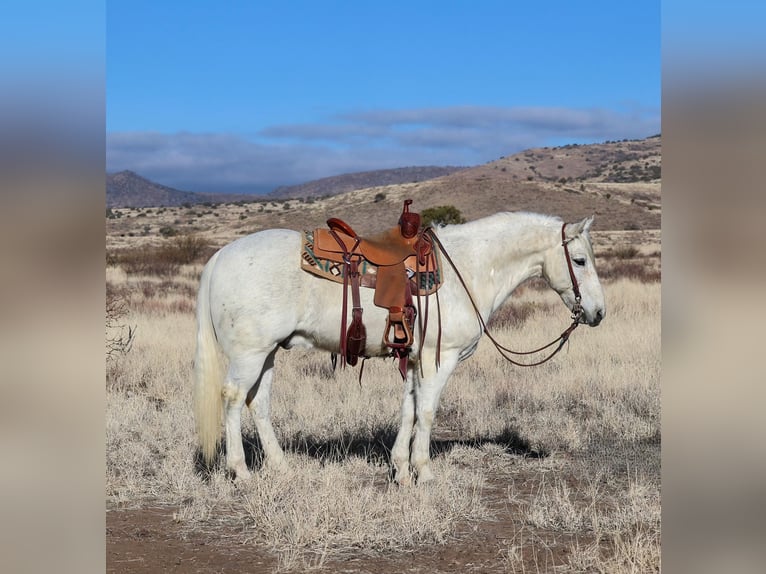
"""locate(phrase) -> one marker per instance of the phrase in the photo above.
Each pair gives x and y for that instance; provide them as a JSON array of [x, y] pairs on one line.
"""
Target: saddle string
[[347, 262], [422, 270], [422, 320], [561, 339]]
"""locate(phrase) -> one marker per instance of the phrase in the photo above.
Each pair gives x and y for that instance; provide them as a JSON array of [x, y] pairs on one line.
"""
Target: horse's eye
[[579, 261]]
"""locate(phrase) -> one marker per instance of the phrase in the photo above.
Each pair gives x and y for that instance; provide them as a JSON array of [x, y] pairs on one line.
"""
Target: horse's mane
[[507, 218], [499, 224], [542, 218]]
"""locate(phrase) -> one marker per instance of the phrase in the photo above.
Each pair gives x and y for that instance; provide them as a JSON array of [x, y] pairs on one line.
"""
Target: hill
[[361, 180], [619, 182], [128, 189]]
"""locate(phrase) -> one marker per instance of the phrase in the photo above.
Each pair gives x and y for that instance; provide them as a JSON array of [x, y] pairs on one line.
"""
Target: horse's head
[[558, 272]]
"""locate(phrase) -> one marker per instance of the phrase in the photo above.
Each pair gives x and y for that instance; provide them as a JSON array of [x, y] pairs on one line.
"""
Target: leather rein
[[577, 310]]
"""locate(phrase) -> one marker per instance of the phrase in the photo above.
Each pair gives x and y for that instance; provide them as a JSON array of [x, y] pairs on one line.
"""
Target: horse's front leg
[[400, 453], [427, 394]]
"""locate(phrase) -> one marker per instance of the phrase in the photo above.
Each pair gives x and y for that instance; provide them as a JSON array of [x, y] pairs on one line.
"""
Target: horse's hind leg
[[243, 371], [400, 453], [259, 402]]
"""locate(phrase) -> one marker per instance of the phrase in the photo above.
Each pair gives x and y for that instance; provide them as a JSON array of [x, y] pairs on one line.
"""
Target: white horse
[[254, 298]]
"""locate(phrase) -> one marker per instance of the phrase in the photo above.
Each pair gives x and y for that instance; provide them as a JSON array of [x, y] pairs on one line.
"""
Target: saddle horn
[[409, 221]]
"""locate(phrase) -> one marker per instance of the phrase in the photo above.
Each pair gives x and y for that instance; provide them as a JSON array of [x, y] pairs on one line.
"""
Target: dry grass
[[583, 430], [316, 510]]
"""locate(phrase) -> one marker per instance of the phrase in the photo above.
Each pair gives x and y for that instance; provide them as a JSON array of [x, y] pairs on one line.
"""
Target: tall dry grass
[[584, 428]]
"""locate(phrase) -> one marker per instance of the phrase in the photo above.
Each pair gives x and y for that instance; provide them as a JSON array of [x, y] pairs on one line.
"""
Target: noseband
[[577, 309]]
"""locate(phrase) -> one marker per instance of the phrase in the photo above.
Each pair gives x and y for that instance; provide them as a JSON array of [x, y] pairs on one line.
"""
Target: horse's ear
[[572, 230]]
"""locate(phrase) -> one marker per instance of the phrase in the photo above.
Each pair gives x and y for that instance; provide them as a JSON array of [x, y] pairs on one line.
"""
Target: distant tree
[[442, 215]]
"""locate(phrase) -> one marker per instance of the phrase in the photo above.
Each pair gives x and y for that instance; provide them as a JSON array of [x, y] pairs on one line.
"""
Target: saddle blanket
[[421, 283]]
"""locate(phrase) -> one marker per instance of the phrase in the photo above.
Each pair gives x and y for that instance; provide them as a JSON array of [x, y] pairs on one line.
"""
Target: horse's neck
[[496, 254]]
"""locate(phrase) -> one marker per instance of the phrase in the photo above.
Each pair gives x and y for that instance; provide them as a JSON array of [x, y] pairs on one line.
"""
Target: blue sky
[[245, 96]]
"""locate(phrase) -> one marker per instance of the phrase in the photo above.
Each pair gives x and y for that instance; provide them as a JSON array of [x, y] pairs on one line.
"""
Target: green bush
[[442, 215]]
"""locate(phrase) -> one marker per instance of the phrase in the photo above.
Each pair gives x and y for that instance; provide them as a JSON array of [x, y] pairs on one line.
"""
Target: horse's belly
[[469, 350], [298, 341]]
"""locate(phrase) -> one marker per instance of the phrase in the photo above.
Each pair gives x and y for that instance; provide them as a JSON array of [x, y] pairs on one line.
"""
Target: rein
[[577, 310]]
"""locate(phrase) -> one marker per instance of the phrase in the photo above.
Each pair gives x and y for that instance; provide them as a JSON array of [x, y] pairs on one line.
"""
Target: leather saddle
[[398, 254]]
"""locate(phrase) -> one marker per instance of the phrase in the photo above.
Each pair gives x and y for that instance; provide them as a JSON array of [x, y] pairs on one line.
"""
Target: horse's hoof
[[403, 479], [275, 463], [242, 475], [425, 475]]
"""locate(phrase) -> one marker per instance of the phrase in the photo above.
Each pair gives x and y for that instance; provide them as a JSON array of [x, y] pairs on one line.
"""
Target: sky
[[246, 96]]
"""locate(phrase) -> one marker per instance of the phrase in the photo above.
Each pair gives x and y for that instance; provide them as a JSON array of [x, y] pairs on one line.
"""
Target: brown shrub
[[147, 261], [185, 249], [119, 336], [514, 315], [161, 307], [623, 252], [165, 260], [635, 270]]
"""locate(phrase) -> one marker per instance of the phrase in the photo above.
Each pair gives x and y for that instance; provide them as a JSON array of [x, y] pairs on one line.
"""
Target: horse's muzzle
[[596, 319]]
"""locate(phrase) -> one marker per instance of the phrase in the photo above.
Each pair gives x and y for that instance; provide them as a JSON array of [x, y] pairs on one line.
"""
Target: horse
[[254, 299]]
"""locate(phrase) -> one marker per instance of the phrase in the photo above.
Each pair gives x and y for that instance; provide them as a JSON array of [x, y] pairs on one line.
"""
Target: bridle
[[577, 310]]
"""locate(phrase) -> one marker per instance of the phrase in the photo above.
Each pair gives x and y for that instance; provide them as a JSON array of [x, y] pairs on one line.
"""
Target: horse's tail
[[207, 372]]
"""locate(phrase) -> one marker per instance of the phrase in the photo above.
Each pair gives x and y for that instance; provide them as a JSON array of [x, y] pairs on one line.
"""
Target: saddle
[[397, 264]]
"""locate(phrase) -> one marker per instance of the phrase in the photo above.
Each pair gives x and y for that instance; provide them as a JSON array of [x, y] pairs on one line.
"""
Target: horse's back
[[264, 253], [262, 243], [254, 284]]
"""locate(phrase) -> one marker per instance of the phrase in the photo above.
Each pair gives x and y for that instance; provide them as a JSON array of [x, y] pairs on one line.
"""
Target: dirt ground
[[149, 540]]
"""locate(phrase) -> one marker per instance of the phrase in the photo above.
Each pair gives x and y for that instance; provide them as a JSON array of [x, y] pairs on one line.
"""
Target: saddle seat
[[387, 248]]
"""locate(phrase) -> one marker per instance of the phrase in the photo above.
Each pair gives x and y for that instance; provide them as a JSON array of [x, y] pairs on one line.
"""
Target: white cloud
[[364, 140]]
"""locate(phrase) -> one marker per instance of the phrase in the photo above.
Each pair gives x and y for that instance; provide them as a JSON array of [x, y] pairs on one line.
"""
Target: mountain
[[128, 189], [618, 181], [360, 180]]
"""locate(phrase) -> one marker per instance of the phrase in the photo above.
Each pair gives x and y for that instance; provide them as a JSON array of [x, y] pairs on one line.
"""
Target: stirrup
[[397, 321]]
